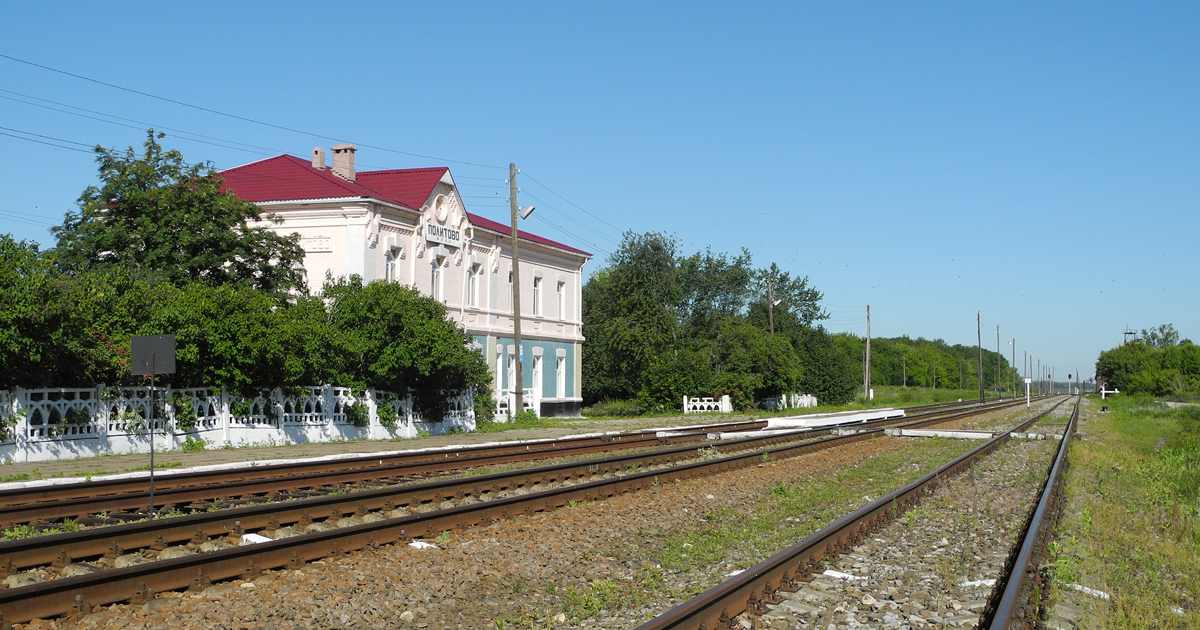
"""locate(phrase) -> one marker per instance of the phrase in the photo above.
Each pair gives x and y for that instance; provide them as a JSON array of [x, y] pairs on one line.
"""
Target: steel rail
[[755, 588], [1014, 602], [62, 596], [94, 542], [168, 480], [58, 502], [43, 494], [80, 593], [191, 495]]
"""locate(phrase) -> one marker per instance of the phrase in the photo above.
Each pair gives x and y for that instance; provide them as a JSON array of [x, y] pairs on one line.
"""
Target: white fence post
[[226, 415]]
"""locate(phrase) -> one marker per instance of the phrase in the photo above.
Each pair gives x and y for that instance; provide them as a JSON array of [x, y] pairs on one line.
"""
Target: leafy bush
[[358, 415], [185, 415], [192, 445], [524, 417], [387, 414]]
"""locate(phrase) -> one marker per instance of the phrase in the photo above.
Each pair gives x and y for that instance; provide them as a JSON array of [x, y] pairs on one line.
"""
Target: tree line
[[661, 325], [157, 248], [1159, 363], [919, 362]]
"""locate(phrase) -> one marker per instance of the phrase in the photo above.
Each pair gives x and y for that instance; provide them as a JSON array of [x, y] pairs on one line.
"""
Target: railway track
[[758, 588], [129, 499], [341, 523]]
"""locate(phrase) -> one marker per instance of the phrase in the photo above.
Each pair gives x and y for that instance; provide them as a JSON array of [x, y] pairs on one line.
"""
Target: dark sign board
[[153, 354]]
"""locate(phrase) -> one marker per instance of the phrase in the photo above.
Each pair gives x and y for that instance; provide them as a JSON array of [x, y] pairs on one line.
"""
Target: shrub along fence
[[49, 424]]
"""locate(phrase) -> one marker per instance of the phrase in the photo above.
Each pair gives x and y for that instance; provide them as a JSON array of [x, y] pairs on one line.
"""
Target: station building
[[410, 226]]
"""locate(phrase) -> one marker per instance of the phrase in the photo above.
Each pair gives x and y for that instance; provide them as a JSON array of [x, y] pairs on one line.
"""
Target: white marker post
[[1027, 382]]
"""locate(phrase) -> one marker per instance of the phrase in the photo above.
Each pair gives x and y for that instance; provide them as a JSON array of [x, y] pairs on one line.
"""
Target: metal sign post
[[1027, 382], [151, 355]]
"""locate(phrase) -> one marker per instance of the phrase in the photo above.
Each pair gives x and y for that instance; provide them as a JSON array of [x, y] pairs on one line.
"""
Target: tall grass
[[1131, 525]]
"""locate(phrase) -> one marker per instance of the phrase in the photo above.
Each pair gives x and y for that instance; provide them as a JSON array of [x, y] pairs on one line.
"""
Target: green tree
[[1164, 336], [155, 214], [827, 371], [629, 316], [768, 360], [34, 317], [713, 288], [390, 337], [1139, 368]]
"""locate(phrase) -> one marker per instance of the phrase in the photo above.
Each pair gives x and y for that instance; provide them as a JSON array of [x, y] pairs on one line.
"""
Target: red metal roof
[[506, 230], [289, 178]]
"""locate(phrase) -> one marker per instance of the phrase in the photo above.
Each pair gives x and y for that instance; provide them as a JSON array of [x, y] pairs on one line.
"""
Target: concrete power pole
[[1013, 365], [771, 304], [979, 344], [518, 384], [998, 394], [867, 364]]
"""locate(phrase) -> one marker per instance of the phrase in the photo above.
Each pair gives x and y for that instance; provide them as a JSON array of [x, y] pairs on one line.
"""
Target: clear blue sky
[[1036, 162]]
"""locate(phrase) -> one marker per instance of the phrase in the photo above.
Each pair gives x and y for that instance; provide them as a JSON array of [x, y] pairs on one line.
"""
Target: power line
[[181, 134], [51, 144], [228, 144], [20, 218], [568, 215], [534, 180], [233, 116]]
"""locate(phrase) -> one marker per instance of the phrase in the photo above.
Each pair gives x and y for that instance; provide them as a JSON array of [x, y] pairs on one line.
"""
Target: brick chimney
[[343, 161], [318, 161]]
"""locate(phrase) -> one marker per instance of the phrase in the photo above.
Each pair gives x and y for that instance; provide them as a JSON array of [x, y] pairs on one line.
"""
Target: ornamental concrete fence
[[789, 401], [49, 424], [707, 404]]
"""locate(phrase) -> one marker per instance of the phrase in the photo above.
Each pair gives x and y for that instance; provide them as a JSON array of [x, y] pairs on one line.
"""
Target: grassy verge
[[723, 540], [1131, 527]]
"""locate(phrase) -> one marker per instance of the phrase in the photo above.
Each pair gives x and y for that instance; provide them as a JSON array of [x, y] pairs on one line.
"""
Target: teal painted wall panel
[[549, 357]]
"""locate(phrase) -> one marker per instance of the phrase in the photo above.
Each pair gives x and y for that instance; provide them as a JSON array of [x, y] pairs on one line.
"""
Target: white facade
[[462, 260]]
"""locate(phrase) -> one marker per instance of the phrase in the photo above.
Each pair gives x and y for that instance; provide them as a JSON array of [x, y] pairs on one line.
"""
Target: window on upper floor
[[510, 293], [537, 296], [435, 278], [560, 297], [473, 274]]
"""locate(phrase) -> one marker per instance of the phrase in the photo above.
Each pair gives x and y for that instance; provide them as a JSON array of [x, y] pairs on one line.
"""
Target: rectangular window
[[473, 286], [537, 375], [435, 279], [499, 374], [561, 298], [510, 293], [537, 296], [560, 377], [389, 267]]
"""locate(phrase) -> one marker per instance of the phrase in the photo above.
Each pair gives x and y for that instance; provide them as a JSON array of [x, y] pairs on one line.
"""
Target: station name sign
[[435, 233]]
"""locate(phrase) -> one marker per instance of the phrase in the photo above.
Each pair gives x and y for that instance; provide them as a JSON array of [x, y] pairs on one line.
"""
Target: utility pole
[[960, 374], [979, 344], [867, 365], [998, 362], [1013, 365], [771, 305], [935, 374], [518, 385], [904, 370]]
